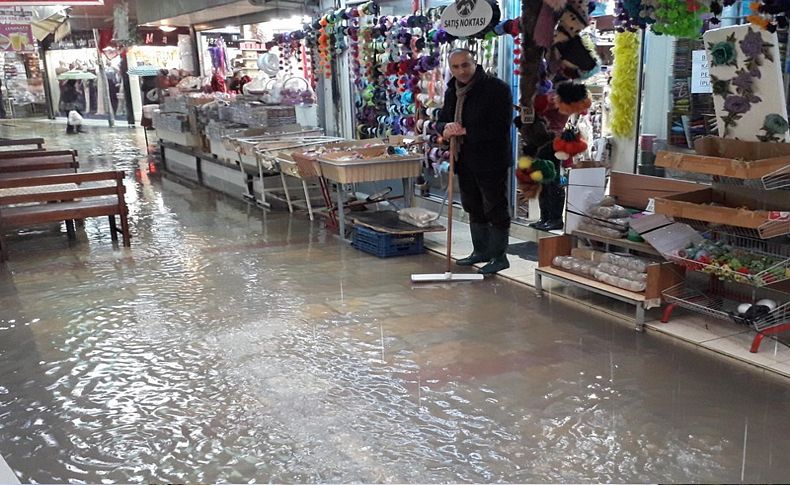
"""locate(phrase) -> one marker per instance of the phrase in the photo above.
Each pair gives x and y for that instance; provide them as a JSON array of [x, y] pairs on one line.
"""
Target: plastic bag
[[629, 262], [609, 212], [601, 231], [75, 119], [623, 272], [418, 216]]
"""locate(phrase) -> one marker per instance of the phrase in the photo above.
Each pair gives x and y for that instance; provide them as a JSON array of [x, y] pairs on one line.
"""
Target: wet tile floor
[[230, 344]]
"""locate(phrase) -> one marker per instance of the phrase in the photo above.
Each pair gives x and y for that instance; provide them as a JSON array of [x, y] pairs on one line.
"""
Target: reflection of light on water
[[207, 354]]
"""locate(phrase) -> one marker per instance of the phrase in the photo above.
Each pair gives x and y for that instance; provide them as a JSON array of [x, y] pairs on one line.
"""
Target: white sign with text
[[700, 73]]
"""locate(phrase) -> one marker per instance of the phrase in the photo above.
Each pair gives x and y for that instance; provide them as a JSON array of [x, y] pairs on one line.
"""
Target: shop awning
[[144, 71], [76, 75], [50, 20]]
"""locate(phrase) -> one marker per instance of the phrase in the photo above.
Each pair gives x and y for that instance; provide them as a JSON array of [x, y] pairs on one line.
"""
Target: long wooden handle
[[450, 183]]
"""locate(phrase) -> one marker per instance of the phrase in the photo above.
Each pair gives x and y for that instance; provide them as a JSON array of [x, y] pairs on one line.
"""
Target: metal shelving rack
[[769, 240]]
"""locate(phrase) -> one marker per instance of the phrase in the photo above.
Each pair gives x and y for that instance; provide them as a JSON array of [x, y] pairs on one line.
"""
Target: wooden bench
[[9, 142], [27, 201], [42, 163], [26, 154]]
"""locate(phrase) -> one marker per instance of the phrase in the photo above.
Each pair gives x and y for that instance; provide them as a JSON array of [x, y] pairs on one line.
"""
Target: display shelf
[[659, 277], [698, 301], [723, 305], [767, 231], [637, 299], [765, 174], [777, 180], [773, 257], [742, 174], [712, 207]]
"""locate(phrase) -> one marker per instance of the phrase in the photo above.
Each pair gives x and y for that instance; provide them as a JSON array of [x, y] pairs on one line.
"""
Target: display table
[[637, 299], [374, 170], [660, 276]]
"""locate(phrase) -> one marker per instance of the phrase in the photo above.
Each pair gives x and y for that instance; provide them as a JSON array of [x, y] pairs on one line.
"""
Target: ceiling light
[[167, 28]]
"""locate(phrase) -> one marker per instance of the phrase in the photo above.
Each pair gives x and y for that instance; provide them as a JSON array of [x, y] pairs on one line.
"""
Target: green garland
[[624, 83]]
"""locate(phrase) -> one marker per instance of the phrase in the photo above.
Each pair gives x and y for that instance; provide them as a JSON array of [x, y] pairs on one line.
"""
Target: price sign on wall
[[700, 73]]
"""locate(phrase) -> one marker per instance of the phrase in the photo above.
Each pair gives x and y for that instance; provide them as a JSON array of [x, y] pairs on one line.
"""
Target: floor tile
[[697, 328]]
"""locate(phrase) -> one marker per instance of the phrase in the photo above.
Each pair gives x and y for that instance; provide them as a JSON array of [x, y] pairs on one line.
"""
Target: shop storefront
[[21, 85], [75, 77], [161, 53]]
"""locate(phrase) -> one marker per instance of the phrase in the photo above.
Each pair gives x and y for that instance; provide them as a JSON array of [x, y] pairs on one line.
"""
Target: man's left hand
[[453, 129]]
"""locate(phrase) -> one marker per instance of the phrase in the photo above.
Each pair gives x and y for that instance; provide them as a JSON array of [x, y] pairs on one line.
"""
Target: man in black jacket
[[478, 110]]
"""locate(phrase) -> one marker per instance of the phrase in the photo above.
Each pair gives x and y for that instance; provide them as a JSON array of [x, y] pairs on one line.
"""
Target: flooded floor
[[234, 345]]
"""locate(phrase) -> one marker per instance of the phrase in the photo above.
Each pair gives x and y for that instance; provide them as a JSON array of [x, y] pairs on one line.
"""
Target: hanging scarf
[[460, 97]]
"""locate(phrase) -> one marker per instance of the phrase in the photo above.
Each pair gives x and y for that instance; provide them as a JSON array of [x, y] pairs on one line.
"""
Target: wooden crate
[[709, 205], [724, 167]]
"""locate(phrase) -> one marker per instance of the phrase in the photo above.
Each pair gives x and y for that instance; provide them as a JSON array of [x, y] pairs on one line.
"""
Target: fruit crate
[[386, 245], [734, 258]]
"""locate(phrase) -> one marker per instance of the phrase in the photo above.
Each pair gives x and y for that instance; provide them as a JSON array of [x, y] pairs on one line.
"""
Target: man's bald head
[[462, 64]]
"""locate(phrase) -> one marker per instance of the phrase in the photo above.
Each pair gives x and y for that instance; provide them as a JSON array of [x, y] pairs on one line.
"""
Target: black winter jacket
[[487, 117]]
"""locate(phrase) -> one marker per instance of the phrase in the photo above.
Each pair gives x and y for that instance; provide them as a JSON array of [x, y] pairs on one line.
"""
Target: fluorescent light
[[167, 28]]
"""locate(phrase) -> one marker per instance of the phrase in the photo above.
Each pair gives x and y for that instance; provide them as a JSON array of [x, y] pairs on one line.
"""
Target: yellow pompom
[[524, 163], [537, 176]]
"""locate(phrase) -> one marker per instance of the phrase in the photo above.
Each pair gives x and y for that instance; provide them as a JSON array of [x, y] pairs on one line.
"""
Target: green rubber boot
[[480, 240]]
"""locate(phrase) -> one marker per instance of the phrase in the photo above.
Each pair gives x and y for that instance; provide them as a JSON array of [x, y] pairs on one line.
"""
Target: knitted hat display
[[572, 98], [574, 18], [574, 54]]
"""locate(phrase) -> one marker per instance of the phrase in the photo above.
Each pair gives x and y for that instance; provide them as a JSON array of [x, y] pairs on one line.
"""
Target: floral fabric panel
[[748, 92]]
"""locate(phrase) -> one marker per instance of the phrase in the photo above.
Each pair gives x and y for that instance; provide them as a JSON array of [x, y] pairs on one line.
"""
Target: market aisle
[[231, 345]]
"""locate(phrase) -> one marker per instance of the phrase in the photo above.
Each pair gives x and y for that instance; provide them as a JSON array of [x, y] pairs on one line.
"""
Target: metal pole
[[47, 86], [127, 88], [103, 78], [640, 87]]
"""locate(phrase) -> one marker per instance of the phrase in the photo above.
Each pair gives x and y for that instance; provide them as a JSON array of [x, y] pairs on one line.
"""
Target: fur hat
[[572, 98]]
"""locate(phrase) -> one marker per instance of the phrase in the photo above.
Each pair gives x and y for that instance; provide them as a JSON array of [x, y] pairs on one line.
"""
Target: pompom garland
[[624, 83]]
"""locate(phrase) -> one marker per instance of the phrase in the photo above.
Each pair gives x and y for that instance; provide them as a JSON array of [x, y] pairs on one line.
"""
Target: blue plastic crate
[[386, 245]]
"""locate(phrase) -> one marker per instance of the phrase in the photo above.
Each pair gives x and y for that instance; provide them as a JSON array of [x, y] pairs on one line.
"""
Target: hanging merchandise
[[569, 144], [634, 14], [532, 173], [219, 59], [572, 98], [624, 83], [569, 48], [679, 18], [769, 14], [268, 63]]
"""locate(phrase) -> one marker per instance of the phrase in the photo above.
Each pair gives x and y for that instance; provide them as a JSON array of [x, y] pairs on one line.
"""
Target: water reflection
[[231, 346]]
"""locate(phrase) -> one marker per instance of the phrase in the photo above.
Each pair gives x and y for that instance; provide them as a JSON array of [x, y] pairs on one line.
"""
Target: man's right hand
[[453, 129]]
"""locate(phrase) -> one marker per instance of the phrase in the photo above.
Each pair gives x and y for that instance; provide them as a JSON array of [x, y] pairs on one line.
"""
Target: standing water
[[234, 345]]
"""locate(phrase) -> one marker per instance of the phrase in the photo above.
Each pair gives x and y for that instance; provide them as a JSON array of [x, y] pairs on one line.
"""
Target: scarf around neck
[[460, 92]]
